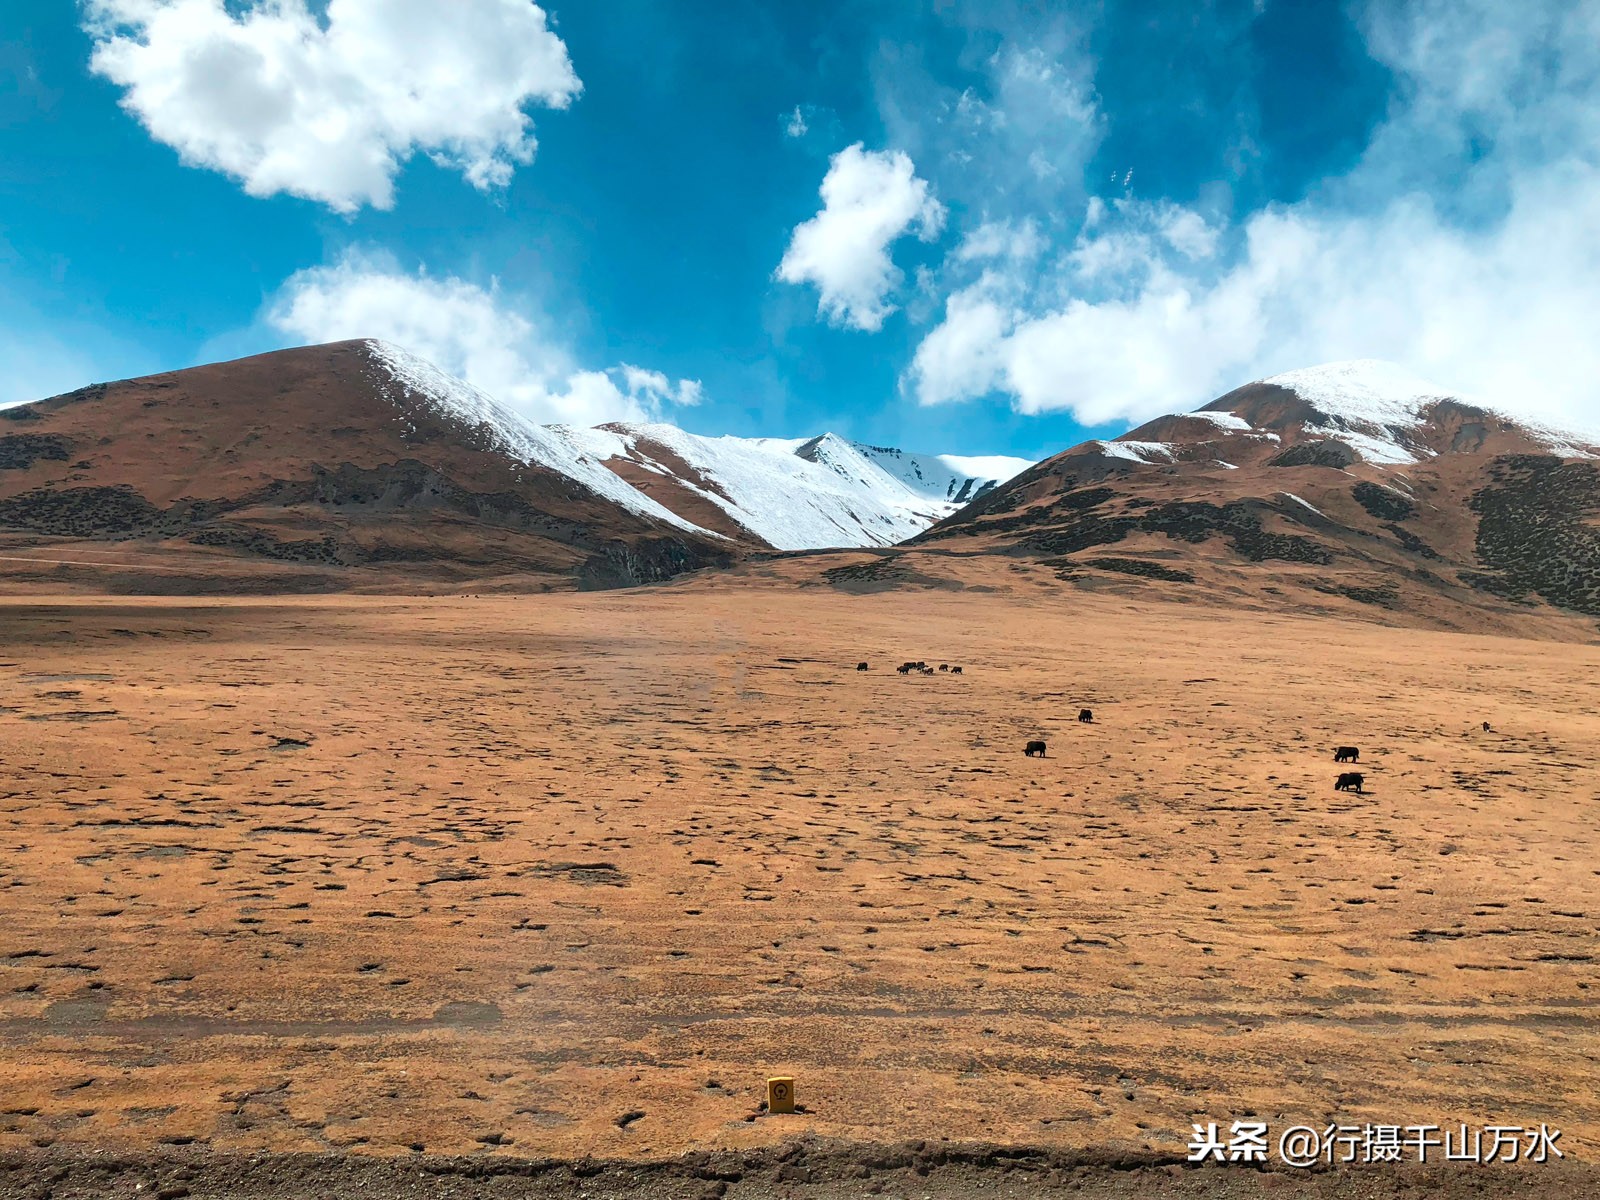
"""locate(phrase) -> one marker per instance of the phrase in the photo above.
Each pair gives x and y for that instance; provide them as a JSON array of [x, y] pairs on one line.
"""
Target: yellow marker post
[[780, 1094]]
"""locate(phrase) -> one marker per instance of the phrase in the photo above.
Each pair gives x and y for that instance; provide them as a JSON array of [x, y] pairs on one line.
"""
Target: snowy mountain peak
[[791, 494], [406, 380], [1375, 411], [830, 451], [952, 479], [444, 395], [798, 494], [1337, 413], [1367, 391], [1377, 408], [1382, 409], [822, 445]]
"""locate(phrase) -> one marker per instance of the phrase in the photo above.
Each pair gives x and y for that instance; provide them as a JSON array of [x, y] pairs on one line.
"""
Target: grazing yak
[[1346, 754], [1486, 727], [1033, 748], [955, 670], [944, 666], [1085, 715], [861, 666], [904, 668], [927, 670], [1349, 781]]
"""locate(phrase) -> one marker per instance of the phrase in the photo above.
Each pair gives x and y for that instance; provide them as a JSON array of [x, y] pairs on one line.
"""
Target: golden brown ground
[[549, 861]]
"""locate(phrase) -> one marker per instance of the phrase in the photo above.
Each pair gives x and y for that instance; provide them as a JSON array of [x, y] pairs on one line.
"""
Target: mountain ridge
[[1347, 487], [358, 454], [316, 468], [814, 493], [1350, 488]]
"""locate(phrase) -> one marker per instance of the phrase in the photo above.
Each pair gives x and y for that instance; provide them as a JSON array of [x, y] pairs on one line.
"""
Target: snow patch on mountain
[[1227, 420], [1134, 451], [1374, 405], [955, 479], [1370, 405], [803, 493], [1366, 390], [793, 494], [549, 446], [1304, 503], [1567, 443], [785, 500]]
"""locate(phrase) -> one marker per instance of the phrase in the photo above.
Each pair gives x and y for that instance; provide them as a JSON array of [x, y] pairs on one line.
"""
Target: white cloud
[[1015, 141], [1167, 333], [797, 127], [1520, 80], [329, 109], [964, 355], [1462, 246], [869, 200], [1016, 240], [470, 332], [1046, 105], [655, 388], [1186, 231]]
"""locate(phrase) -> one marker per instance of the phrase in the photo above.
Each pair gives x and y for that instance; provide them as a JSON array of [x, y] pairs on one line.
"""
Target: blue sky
[[1040, 220]]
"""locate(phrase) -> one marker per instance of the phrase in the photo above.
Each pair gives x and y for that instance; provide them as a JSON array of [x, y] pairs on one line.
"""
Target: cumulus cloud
[[965, 355], [1462, 246], [658, 389], [1186, 231], [328, 107], [472, 333], [870, 199]]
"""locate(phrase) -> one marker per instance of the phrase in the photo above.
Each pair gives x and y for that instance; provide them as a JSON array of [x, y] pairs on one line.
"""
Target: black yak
[[1085, 715], [1349, 781], [1033, 748], [861, 666], [1346, 754]]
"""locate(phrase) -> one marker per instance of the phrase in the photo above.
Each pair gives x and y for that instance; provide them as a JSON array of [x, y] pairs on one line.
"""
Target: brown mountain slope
[[1320, 492], [345, 465]]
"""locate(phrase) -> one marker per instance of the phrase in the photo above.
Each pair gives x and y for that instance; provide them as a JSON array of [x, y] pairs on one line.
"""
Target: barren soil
[[566, 876]]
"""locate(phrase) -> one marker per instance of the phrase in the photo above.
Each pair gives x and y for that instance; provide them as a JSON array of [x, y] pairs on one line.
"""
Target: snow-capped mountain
[[1366, 409], [406, 380], [800, 494], [1352, 486], [346, 465], [787, 494], [951, 479], [360, 464]]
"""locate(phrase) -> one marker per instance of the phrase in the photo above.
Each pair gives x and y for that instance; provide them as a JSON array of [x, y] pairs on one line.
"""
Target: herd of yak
[[1348, 781]]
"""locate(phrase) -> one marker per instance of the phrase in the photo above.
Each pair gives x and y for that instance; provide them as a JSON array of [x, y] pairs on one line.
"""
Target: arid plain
[[573, 874]]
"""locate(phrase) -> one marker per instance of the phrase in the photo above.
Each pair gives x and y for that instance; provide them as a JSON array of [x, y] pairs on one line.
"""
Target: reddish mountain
[[347, 465], [1349, 487]]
